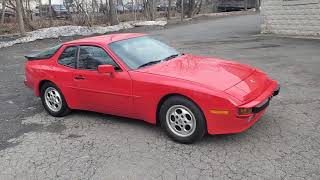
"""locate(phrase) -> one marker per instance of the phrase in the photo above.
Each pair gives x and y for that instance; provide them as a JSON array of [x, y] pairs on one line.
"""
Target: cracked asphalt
[[284, 144]]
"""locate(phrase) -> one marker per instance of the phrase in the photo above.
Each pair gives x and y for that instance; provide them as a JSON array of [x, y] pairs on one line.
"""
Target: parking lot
[[284, 144]]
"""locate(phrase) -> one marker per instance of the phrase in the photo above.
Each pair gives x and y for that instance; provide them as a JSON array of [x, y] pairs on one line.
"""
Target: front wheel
[[53, 100], [183, 121]]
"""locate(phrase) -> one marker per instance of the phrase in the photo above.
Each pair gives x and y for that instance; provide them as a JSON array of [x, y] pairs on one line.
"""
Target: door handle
[[79, 77]]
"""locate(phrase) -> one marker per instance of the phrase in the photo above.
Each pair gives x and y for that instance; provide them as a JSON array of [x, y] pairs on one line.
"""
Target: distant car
[[196, 9], [235, 5], [133, 75], [121, 9], [165, 7], [8, 13], [134, 7], [58, 11]]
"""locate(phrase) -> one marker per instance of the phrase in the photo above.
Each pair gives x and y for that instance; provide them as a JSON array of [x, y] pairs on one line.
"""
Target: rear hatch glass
[[46, 54]]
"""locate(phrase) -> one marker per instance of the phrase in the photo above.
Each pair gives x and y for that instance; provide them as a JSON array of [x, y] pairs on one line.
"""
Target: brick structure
[[291, 17]]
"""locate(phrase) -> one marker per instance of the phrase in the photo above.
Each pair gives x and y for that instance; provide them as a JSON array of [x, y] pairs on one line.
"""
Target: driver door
[[106, 93]]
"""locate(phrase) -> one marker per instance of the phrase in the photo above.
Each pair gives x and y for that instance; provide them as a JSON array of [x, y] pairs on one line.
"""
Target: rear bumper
[[27, 84], [232, 123]]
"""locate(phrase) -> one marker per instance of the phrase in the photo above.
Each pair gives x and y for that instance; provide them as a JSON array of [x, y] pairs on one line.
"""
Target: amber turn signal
[[219, 112]]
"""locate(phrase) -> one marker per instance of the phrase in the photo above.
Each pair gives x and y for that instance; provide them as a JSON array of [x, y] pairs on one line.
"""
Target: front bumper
[[276, 92], [233, 123], [266, 103]]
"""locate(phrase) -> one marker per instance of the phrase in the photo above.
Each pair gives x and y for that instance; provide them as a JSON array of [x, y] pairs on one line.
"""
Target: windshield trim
[[133, 37]]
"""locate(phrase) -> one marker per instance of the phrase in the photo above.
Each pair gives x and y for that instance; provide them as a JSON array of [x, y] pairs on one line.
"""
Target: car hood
[[209, 72]]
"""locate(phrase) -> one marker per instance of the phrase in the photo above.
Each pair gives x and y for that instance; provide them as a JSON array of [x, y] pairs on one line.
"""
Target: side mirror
[[106, 69]]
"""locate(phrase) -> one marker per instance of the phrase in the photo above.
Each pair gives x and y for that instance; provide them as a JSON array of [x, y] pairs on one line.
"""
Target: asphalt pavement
[[284, 144]]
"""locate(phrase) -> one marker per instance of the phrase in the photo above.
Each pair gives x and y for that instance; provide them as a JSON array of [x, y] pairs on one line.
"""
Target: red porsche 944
[[136, 76]]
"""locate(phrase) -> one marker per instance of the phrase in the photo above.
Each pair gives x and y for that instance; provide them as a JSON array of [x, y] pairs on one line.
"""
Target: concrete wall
[[291, 17]]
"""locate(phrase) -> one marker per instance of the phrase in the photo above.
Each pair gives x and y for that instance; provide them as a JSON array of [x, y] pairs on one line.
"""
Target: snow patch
[[55, 32], [149, 23]]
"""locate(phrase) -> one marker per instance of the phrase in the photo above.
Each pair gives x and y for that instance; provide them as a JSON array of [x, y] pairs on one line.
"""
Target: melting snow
[[55, 32]]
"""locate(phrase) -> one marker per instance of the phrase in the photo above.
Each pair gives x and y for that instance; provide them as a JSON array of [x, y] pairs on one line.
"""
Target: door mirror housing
[[106, 69]]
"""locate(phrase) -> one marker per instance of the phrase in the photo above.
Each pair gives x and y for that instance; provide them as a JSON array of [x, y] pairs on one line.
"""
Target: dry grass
[[8, 28]]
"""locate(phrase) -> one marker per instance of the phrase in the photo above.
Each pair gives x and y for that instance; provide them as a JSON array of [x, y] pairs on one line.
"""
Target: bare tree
[[3, 12], [50, 13], [40, 8], [153, 10], [190, 8], [149, 9], [169, 9], [182, 10], [113, 14], [11, 5], [82, 16], [20, 18], [106, 10], [134, 10], [25, 17], [93, 6]]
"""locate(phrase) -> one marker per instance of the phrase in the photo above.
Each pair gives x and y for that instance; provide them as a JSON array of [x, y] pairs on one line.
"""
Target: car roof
[[106, 39]]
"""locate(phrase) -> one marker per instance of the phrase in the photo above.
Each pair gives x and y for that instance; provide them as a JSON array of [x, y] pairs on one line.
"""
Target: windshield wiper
[[157, 61], [171, 57], [149, 63]]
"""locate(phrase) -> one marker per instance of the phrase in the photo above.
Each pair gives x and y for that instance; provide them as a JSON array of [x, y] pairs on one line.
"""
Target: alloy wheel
[[53, 99], [181, 121]]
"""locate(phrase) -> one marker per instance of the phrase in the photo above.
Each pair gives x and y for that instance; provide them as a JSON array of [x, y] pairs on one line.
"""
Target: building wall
[[291, 17]]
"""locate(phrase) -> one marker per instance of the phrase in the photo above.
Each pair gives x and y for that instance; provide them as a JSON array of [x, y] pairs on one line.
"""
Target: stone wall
[[291, 17]]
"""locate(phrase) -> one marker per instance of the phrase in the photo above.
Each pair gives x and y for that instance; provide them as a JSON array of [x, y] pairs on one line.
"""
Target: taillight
[[244, 111]]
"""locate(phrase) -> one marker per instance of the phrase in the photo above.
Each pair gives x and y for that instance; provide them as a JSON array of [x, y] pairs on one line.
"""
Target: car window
[[90, 57], [69, 57]]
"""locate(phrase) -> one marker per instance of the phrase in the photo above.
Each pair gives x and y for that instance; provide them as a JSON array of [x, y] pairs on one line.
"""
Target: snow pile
[[55, 32], [149, 23]]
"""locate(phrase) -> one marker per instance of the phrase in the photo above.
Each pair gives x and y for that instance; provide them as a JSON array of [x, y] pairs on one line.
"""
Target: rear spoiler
[[33, 57], [47, 54]]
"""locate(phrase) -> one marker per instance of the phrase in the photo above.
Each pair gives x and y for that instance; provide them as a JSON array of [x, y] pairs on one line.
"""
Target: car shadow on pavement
[[109, 117], [155, 130]]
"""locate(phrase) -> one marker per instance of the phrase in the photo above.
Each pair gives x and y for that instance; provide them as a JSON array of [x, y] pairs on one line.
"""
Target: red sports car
[[136, 76]]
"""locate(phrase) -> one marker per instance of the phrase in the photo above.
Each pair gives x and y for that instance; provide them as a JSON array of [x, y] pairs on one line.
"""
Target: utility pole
[[20, 18], [182, 10]]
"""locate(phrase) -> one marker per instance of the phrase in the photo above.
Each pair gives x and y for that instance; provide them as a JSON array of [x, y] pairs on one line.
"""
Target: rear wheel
[[182, 120], [53, 100]]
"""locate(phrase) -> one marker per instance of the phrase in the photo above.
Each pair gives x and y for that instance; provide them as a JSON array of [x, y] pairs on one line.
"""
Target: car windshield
[[142, 51]]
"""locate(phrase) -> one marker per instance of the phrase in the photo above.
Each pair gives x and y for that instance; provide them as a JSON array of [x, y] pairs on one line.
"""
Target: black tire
[[200, 128], [64, 110]]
